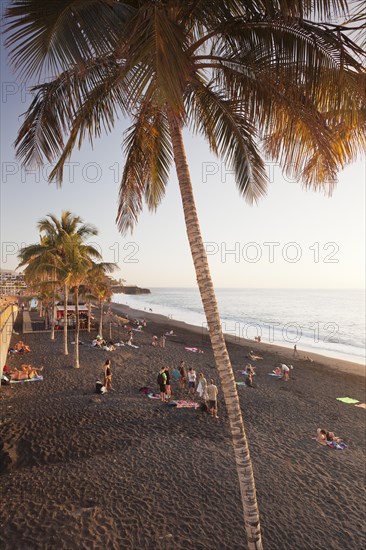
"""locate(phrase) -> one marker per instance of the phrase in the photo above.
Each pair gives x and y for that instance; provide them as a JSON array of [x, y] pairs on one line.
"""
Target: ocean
[[328, 322]]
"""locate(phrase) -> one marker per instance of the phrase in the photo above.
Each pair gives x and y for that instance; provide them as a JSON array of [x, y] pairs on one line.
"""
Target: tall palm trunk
[[101, 318], [89, 315], [66, 297], [46, 317], [239, 440], [77, 329], [40, 307], [53, 314]]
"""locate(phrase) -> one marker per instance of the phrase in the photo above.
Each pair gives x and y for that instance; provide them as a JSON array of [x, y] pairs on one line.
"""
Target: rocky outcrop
[[119, 289]]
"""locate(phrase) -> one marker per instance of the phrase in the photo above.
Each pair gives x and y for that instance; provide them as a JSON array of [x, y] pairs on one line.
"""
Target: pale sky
[[292, 239]]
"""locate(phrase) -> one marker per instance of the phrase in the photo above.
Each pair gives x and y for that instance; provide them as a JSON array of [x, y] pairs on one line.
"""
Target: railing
[[7, 318]]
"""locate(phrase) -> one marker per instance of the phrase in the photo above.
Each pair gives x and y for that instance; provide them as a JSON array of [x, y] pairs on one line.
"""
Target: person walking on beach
[[162, 341], [295, 350], [191, 380], [212, 393], [182, 376], [108, 375], [162, 384]]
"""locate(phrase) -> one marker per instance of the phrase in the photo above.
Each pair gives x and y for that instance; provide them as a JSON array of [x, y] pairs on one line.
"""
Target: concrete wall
[[7, 318]]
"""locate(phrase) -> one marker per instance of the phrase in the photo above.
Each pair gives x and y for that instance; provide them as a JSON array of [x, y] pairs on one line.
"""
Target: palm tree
[[239, 72], [102, 290], [83, 268], [65, 235], [40, 271]]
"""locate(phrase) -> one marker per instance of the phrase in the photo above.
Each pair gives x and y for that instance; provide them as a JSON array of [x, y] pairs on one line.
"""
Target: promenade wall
[[7, 318]]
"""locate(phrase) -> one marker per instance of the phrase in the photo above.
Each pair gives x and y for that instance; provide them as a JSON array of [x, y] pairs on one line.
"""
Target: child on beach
[[154, 341]]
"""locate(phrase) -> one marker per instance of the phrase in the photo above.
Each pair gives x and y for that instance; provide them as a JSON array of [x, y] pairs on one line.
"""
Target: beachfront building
[[59, 315], [11, 283]]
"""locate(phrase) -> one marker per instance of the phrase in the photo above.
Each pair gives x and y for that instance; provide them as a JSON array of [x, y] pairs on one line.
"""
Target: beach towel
[[180, 404], [176, 374], [361, 405], [36, 379], [195, 350], [153, 396], [240, 383], [338, 446], [245, 372], [347, 400], [276, 375]]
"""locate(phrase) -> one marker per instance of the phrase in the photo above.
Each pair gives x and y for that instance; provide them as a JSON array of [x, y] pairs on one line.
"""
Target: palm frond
[[148, 159], [47, 36], [231, 137]]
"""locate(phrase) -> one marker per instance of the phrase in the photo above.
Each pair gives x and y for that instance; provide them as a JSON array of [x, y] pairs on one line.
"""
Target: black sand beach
[[123, 471]]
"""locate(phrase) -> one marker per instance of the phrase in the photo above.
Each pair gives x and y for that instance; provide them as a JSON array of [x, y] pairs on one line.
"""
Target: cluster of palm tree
[[283, 77], [62, 262]]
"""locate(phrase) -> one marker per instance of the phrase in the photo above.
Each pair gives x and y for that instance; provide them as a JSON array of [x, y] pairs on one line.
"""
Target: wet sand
[[123, 471]]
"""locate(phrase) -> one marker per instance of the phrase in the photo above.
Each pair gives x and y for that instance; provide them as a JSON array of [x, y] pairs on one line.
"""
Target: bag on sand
[[99, 387]]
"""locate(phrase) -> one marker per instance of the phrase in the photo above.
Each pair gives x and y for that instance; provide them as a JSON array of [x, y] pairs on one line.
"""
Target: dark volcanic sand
[[122, 471]]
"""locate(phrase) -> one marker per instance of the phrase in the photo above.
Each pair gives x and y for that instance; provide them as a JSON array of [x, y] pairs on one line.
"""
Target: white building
[[11, 283]]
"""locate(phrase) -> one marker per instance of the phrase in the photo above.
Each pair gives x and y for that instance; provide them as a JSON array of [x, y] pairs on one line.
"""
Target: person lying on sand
[[26, 373], [251, 355]]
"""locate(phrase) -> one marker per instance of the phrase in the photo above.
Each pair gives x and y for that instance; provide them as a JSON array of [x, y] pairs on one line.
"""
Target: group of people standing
[[208, 392]]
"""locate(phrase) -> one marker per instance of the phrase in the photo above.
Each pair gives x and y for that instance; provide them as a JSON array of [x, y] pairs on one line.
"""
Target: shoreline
[[285, 353]]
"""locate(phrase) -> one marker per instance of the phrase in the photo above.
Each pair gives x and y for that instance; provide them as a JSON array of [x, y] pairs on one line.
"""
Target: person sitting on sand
[[249, 369], [250, 373], [154, 341], [130, 339], [327, 438], [21, 347]]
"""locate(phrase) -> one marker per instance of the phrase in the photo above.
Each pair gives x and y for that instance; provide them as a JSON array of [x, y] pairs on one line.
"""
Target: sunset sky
[[291, 239]]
